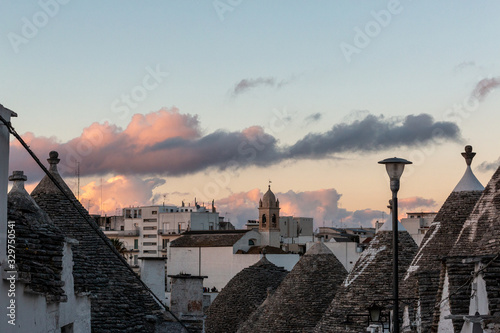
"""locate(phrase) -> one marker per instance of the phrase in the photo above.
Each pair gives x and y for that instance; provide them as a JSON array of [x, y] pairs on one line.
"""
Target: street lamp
[[375, 311], [395, 167]]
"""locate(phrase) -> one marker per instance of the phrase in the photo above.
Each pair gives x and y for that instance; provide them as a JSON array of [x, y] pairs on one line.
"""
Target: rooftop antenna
[[101, 196], [78, 182], [164, 196]]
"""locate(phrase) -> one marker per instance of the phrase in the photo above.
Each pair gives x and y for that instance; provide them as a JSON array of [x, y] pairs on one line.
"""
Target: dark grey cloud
[[484, 87], [247, 84], [489, 166], [144, 152], [465, 64], [312, 118], [374, 133]]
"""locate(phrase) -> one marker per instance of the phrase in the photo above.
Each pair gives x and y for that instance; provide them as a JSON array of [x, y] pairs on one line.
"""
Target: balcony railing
[[170, 231], [122, 233]]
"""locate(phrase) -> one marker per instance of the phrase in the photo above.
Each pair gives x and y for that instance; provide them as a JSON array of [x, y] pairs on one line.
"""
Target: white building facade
[[147, 231]]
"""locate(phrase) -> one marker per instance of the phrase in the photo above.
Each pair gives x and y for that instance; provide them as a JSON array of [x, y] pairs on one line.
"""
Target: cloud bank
[[374, 133], [168, 143], [321, 205]]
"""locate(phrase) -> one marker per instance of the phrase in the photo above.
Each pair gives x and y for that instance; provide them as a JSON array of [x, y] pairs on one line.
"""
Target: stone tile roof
[[119, 301], [267, 248], [302, 298], [39, 244], [207, 239], [478, 241], [242, 295], [480, 234], [370, 280], [423, 275]]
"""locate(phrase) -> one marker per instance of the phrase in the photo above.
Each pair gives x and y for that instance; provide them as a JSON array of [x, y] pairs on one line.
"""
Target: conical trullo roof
[[120, 303], [477, 246], [421, 281], [302, 298], [370, 280], [242, 295], [39, 244]]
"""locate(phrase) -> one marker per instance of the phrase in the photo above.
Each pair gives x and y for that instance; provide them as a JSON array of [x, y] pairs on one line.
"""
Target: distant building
[[346, 243], [147, 231], [287, 232], [417, 224], [221, 254]]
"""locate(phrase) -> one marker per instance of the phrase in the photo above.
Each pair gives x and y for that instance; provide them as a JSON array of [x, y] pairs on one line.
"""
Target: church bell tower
[[269, 219]]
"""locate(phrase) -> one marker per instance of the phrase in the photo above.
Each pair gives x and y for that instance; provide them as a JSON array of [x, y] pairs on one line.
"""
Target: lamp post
[[395, 167]]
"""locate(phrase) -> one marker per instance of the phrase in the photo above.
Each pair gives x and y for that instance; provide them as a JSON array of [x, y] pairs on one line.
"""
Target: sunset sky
[[164, 101]]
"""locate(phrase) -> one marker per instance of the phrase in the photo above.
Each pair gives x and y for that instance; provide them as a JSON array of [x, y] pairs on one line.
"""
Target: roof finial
[[18, 178], [468, 182], [53, 160], [468, 155]]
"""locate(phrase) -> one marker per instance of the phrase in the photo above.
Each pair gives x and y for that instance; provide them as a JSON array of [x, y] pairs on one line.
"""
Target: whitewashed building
[[147, 231], [417, 224], [37, 291]]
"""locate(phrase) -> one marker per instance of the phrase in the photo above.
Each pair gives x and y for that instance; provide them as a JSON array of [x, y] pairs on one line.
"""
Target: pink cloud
[[118, 192], [416, 203], [167, 142], [321, 205], [484, 87]]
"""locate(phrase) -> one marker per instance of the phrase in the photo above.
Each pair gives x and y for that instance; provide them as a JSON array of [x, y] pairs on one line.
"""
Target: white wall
[[242, 243], [153, 275], [344, 251], [34, 315], [219, 264]]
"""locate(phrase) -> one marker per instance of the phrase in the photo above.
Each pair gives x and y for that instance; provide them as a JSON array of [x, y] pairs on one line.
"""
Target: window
[[149, 251], [251, 242], [148, 228], [67, 328], [150, 220], [122, 228], [273, 221], [127, 213], [264, 219], [154, 212], [149, 236], [136, 244], [165, 243], [149, 243], [210, 226]]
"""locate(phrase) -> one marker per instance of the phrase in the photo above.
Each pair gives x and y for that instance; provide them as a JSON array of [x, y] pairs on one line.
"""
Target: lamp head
[[395, 167], [375, 310]]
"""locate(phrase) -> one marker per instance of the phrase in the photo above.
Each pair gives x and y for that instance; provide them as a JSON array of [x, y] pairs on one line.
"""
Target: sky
[[167, 101]]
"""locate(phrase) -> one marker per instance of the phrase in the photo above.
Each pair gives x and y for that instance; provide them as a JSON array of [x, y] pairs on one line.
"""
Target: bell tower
[[269, 219]]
